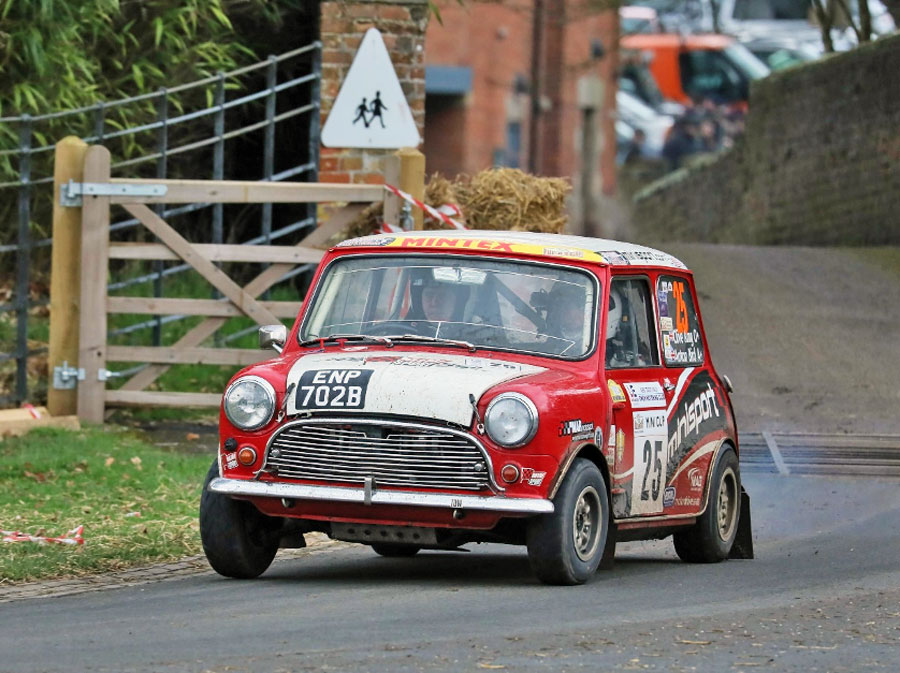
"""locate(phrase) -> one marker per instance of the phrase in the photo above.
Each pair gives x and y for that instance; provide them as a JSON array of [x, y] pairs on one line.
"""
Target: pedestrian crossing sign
[[370, 110]]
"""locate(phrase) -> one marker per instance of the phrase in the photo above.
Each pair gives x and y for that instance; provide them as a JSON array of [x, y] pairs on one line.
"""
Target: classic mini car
[[444, 388]]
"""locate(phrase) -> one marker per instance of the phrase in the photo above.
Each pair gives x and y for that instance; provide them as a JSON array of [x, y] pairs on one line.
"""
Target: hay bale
[[497, 198], [509, 199]]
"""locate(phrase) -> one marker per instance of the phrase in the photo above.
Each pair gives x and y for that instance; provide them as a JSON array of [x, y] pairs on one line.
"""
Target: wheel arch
[[592, 453], [723, 446]]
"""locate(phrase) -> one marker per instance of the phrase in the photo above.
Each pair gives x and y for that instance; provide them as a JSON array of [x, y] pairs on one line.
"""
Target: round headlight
[[250, 402], [511, 420]]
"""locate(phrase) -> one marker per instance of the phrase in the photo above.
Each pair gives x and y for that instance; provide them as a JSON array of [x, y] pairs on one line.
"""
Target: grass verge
[[138, 504]]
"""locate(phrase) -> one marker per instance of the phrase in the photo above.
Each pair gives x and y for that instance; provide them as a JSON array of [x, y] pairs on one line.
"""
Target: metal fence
[[183, 125]]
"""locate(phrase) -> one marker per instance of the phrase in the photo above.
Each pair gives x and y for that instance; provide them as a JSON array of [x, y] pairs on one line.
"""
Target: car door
[[698, 407], [635, 379]]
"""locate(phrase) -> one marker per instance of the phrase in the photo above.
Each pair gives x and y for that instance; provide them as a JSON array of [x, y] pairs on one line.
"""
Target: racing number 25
[[652, 462]]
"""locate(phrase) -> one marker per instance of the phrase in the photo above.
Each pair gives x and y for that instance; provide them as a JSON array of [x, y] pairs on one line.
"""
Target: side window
[[630, 333], [681, 341], [708, 74]]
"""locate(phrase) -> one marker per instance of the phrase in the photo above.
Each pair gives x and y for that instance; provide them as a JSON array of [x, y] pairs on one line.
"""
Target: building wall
[[494, 39], [818, 164], [402, 24]]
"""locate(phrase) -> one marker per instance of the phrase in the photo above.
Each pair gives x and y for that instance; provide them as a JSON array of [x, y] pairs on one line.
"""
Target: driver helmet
[[614, 317]]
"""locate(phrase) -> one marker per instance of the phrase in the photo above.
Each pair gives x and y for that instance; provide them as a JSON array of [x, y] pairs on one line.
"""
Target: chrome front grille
[[393, 454]]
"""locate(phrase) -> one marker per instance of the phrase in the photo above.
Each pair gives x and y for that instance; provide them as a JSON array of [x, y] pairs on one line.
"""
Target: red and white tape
[[442, 214], [73, 537]]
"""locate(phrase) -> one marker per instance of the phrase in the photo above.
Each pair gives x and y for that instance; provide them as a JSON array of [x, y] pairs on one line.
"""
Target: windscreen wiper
[[427, 339], [347, 337]]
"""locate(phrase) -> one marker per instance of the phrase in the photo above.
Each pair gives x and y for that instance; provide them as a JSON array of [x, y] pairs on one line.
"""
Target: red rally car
[[442, 388]]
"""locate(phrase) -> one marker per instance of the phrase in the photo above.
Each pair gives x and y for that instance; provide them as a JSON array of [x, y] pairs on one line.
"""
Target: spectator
[[635, 148]]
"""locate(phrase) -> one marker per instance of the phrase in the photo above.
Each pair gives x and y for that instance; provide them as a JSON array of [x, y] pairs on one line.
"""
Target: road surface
[[823, 594]]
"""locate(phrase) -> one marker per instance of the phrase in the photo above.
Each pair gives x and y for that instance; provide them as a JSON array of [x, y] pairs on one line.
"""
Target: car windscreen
[[531, 307]]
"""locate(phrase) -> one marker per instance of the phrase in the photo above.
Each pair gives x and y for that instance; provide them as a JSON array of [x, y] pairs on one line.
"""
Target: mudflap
[[743, 540]]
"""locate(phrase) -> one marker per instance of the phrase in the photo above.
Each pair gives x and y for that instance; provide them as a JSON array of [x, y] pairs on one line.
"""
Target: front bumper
[[365, 496]]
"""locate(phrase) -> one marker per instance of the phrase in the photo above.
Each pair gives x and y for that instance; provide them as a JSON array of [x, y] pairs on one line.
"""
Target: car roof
[[547, 245]]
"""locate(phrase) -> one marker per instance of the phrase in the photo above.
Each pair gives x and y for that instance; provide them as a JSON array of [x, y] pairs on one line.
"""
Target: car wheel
[[710, 539], [395, 550], [566, 547], [238, 539]]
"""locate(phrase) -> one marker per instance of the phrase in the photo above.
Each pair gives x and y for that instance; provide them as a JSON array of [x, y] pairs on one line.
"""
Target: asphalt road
[[823, 594]]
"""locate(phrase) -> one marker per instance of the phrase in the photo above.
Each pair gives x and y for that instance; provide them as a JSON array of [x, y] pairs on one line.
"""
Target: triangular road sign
[[370, 109]]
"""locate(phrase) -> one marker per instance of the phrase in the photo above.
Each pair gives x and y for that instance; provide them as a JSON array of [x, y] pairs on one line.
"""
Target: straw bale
[[500, 198], [509, 199]]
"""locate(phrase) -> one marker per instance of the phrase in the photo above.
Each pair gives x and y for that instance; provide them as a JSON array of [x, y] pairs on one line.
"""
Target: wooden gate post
[[405, 169], [65, 274], [94, 270]]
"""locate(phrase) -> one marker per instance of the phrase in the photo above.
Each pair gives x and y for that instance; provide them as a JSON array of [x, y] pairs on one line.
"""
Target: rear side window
[[682, 344]]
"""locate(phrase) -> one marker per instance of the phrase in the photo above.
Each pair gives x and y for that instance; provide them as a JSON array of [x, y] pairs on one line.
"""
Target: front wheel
[[239, 541], [710, 539], [566, 547]]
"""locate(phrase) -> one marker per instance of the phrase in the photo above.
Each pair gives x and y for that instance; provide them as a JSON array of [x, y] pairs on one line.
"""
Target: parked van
[[694, 67]]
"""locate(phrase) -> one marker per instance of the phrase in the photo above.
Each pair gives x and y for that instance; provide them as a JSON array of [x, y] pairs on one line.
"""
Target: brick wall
[[819, 163], [402, 24]]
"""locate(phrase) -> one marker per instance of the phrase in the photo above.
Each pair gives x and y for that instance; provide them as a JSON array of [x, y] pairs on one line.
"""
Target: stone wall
[[819, 163], [402, 24]]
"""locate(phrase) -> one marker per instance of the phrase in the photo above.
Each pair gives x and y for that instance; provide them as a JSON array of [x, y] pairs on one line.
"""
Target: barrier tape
[[443, 213], [32, 410], [73, 537]]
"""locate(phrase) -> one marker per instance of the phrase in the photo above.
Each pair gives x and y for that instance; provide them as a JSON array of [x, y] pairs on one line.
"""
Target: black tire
[[238, 539], [566, 547], [392, 550], [710, 539]]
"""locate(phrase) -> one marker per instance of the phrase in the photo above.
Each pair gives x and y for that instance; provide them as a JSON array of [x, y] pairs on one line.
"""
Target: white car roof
[[554, 246]]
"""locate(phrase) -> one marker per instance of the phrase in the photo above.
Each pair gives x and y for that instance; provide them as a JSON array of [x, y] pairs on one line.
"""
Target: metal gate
[[173, 137]]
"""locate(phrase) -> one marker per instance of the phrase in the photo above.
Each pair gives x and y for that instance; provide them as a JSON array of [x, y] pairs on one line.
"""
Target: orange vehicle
[[693, 67]]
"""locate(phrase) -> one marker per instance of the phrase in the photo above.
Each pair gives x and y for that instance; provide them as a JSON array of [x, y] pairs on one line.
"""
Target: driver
[[438, 301], [567, 306]]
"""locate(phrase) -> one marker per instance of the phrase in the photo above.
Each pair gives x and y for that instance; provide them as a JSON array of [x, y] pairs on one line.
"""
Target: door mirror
[[272, 336]]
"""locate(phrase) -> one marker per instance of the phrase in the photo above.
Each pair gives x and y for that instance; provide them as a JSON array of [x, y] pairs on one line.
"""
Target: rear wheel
[[395, 550], [238, 539], [566, 547], [710, 539]]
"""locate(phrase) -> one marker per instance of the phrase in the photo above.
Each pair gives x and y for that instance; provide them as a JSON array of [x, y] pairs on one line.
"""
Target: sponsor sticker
[[612, 437], [366, 240], [531, 477], [669, 496], [615, 391], [646, 395], [579, 430], [695, 476], [620, 446], [665, 324], [563, 252], [231, 460], [687, 502]]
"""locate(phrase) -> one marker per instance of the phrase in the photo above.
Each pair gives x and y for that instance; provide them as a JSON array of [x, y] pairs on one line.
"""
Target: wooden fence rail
[[90, 295]]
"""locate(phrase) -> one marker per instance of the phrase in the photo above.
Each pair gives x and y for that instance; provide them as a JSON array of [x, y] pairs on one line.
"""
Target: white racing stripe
[[678, 387]]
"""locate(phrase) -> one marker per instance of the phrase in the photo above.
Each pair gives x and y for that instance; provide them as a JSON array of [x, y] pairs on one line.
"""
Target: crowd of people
[[704, 127]]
